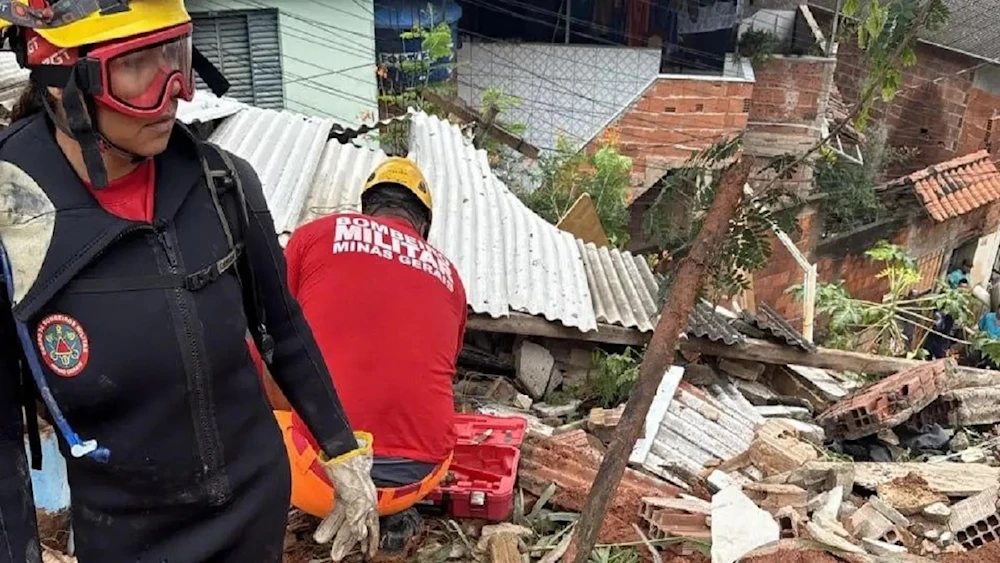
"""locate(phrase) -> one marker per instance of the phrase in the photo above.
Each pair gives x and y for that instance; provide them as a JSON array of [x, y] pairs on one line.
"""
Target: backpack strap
[[226, 187]]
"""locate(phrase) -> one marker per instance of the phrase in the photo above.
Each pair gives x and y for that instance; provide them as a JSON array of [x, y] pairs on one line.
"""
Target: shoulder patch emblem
[[63, 345]]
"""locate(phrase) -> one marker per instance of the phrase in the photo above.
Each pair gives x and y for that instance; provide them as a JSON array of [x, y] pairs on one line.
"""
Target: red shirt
[[388, 312], [131, 196]]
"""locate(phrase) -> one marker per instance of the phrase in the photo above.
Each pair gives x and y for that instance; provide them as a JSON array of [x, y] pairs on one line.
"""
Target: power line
[[337, 91]]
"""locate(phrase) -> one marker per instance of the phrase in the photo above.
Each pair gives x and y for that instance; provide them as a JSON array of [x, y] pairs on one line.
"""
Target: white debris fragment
[[938, 512], [739, 526], [876, 547]]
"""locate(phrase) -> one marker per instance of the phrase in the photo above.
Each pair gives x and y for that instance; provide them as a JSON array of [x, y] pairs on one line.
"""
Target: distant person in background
[[941, 338], [960, 275], [990, 324]]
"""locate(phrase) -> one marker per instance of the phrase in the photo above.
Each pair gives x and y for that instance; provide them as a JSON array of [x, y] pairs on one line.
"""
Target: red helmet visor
[[142, 75]]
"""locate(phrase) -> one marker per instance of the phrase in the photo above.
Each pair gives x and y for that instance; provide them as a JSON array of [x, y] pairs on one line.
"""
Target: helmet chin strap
[[83, 129]]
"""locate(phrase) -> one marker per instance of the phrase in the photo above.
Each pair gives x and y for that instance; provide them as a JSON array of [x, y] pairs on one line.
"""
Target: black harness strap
[[230, 203], [190, 282]]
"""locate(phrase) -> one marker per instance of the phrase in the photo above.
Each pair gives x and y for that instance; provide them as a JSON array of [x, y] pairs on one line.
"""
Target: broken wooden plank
[[503, 548], [690, 504], [951, 479], [828, 358]]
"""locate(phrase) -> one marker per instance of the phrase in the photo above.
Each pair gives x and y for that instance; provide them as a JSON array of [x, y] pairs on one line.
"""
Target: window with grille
[[245, 45]]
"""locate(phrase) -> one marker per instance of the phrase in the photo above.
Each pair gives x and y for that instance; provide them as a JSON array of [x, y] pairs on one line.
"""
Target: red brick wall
[[842, 260], [789, 90], [789, 95], [783, 271], [930, 110], [675, 117], [976, 132]]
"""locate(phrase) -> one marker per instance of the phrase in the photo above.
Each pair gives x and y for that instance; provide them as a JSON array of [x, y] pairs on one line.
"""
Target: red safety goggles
[[139, 76]]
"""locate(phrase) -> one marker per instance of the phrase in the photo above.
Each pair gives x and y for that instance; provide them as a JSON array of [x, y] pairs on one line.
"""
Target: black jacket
[[198, 471]]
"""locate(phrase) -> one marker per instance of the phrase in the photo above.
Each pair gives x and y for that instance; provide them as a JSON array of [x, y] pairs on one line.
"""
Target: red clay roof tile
[[955, 187]]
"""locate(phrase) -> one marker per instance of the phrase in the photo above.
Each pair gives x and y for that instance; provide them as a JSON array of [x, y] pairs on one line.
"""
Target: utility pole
[[659, 356]]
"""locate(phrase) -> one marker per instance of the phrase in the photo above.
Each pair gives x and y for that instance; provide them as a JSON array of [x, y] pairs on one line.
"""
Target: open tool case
[[480, 481]]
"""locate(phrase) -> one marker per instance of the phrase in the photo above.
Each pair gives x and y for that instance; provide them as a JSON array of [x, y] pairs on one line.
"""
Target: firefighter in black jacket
[[134, 260]]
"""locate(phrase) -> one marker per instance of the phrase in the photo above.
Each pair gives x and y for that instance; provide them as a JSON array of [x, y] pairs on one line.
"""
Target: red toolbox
[[480, 481]]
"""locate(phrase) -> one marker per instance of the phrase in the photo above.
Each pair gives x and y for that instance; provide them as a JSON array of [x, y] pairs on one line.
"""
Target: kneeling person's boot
[[398, 529]]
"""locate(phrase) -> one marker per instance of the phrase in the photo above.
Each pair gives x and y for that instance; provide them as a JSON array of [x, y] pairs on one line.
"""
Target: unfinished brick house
[[949, 102], [943, 215], [783, 110]]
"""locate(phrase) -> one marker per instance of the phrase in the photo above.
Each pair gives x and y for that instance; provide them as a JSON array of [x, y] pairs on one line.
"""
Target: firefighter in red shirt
[[388, 312]]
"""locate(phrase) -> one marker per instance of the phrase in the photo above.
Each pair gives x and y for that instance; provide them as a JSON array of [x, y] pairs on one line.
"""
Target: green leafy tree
[[676, 215], [611, 377], [568, 173], [850, 200]]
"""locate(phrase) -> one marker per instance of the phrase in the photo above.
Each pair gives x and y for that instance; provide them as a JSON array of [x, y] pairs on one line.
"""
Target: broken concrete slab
[[887, 403], [546, 410], [828, 538], [876, 547], [777, 448], [756, 392], [742, 369], [806, 431], [503, 528], [841, 476], [894, 516], [739, 526], [555, 380], [830, 388], [534, 365], [826, 516], [522, 401], [868, 522], [781, 411], [939, 513], [909, 494], [951, 479], [973, 455], [535, 426], [719, 480], [959, 442], [817, 502]]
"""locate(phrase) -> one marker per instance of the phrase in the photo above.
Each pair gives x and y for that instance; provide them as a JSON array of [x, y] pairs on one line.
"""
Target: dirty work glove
[[354, 518]]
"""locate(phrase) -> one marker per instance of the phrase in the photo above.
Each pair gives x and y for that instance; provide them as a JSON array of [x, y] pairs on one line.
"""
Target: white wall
[[328, 54]]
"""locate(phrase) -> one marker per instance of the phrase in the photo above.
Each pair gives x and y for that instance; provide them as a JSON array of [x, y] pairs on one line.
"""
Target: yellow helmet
[[140, 16], [402, 171]]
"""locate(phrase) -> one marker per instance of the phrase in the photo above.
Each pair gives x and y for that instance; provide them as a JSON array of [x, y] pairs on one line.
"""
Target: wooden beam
[[485, 126], [531, 325], [467, 114], [751, 349], [828, 358]]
